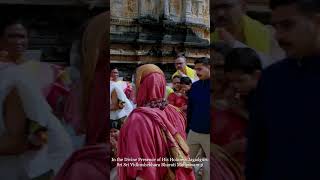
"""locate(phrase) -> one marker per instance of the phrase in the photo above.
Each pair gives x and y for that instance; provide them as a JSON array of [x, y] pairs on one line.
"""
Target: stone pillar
[[132, 10], [188, 8], [140, 7], [149, 7], [152, 8], [200, 8], [166, 8], [171, 8], [117, 8]]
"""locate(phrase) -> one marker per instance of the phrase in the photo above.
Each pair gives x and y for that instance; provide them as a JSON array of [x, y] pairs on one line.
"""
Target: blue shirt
[[199, 107]]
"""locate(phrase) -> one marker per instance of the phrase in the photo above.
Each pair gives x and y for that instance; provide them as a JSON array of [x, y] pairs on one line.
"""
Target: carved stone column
[[188, 8], [200, 8], [149, 7], [172, 8], [166, 8], [117, 8], [141, 7], [132, 9]]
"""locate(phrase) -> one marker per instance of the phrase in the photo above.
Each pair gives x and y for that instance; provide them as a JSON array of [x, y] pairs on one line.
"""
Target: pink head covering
[[150, 83], [153, 129]]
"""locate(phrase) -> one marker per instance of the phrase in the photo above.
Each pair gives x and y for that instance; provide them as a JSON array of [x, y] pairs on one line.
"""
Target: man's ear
[[209, 67], [257, 74]]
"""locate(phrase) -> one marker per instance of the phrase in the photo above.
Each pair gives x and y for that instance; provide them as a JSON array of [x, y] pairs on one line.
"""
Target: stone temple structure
[[155, 31], [53, 25]]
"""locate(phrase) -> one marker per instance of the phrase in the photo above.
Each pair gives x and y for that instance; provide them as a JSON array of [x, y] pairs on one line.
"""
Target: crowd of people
[[152, 119]]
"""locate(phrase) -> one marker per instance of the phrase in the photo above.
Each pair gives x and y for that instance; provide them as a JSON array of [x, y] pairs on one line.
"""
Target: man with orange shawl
[[153, 130]]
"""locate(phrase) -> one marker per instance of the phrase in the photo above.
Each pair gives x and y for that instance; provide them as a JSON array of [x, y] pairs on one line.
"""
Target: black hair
[[112, 67], [203, 60], [185, 80], [181, 55], [221, 48], [306, 6], [176, 76], [243, 59], [7, 21]]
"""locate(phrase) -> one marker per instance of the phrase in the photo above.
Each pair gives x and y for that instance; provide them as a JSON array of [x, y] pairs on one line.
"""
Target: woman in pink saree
[[153, 130], [91, 162]]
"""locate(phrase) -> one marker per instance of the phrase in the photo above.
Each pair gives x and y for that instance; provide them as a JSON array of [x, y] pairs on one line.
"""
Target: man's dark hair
[[185, 80], [7, 21], [112, 67], [221, 48], [242, 59], [306, 6], [176, 76], [204, 60], [181, 55]]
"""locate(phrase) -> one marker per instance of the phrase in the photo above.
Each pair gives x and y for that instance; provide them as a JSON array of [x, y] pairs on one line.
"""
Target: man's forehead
[[235, 74], [180, 60], [16, 27], [284, 13], [199, 65]]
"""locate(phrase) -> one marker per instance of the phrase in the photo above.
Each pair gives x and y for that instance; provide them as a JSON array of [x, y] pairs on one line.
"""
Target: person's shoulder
[[194, 73], [277, 67], [175, 109], [115, 85], [139, 117], [168, 88], [18, 71], [196, 83], [139, 112], [30, 66], [27, 63], [191, 68], [256, 22], [193, 87], [258, 26], [273, 72], [174, 74], [171, 95]]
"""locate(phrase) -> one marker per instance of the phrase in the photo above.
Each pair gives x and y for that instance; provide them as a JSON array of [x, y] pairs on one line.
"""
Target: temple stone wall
[[157, 30]]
